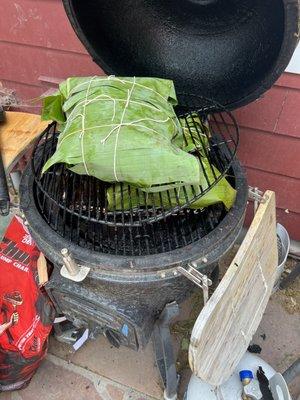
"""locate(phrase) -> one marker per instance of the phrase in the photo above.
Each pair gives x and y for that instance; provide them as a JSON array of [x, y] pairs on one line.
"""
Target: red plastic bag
[[26, 314]]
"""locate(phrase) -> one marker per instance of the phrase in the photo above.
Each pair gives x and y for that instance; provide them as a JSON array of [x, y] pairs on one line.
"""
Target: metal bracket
[[257, 196], [71, 270], [164, 353], [201, 280]]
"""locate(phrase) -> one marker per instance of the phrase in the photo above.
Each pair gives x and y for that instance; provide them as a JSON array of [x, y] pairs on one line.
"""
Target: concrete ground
[[99, 372]]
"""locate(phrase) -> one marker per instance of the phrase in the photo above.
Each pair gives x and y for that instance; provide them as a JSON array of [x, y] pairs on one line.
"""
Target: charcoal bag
[[26, 314]]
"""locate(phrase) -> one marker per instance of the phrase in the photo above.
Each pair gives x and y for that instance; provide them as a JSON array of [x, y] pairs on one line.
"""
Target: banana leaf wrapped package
[[120, 130], [125, 131]]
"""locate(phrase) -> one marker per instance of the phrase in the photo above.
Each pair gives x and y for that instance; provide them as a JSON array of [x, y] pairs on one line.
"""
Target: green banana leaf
[[122, 130], [123, 197], [194, 136]]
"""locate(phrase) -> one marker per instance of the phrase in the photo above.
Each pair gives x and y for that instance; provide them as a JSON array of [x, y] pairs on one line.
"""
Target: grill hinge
[[257, 196], [197, 278]]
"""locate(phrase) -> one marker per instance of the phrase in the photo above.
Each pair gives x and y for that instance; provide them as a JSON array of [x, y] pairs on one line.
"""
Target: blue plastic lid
[[246, 374]]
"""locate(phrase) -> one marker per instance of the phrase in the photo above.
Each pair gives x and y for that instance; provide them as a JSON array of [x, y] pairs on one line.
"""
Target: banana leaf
[[195, 138], [122, 130], [195, 134], [123, 197]]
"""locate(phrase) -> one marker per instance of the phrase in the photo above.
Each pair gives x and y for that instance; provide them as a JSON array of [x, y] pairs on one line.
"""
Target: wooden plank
[[17, 133], [226, 324], [42, 270]]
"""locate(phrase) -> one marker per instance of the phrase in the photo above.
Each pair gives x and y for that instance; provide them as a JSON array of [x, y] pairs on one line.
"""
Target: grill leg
[[164, 350]]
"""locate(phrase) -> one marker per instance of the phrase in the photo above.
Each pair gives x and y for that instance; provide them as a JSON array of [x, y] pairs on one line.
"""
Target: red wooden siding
[[37, 40], [270, 147]]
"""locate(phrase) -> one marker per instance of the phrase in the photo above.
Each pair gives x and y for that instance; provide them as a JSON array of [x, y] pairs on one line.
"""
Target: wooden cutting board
[[226, 324], [17, 133]]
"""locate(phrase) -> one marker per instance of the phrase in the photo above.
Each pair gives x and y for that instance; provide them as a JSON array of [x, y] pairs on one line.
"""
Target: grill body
[[123, 295]]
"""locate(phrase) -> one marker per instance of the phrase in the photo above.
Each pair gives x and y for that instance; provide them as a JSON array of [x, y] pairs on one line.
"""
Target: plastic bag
[[26, 314]]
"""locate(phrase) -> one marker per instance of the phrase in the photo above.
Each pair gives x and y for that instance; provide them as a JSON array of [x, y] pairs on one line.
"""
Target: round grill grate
[[75, 206]]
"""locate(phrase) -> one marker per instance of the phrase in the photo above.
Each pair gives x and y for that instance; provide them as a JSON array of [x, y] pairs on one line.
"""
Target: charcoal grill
[[138, 250], [230, 51], [76, 206], [134, 254]]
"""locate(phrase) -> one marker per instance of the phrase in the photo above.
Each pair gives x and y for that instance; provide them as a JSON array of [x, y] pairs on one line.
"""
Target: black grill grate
[[75, 206]]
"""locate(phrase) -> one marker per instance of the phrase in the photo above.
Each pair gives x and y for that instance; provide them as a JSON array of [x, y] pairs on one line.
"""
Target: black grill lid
[[231, 51]]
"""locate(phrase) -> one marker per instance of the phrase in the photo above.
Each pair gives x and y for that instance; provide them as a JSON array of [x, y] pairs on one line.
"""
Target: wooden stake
[[42, 270]]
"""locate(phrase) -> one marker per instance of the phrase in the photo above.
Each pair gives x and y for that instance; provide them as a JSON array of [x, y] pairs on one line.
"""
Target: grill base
[[88, 307], [125, 315]]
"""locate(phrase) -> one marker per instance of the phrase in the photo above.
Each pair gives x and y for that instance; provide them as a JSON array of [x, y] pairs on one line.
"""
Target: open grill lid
[[231, 51]]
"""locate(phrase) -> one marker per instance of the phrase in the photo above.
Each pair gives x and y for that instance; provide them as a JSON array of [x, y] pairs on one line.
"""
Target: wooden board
[[226, 324], [17, 133], [42, 270]]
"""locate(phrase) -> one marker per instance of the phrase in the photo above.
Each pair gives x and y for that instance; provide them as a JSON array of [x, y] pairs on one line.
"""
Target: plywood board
[[17, 133], [226, 324]]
